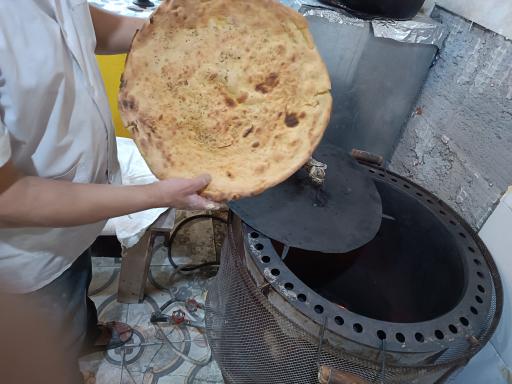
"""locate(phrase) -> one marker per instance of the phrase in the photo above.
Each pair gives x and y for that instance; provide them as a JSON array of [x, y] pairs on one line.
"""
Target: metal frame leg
[[136, 260]]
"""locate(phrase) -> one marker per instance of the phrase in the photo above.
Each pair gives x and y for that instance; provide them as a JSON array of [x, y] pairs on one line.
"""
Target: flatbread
[[233, 88]]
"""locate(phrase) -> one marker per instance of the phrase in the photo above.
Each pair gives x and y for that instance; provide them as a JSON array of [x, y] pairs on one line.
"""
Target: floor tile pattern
[[163, 353]]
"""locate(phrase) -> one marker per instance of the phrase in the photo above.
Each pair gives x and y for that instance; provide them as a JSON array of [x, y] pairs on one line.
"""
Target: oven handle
[[367, 157]]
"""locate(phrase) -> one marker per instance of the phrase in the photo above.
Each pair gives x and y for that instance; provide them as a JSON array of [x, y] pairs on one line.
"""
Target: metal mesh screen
[[254, 343]]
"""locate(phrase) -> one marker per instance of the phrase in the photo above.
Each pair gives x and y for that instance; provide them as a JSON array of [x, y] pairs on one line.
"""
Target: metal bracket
[[316, 171]]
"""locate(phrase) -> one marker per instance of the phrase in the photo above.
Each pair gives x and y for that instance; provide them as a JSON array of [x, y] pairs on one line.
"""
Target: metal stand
[[137, 259]]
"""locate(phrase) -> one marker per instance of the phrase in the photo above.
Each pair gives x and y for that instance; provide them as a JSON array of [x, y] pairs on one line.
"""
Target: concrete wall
[[458, 143], [495, 15]]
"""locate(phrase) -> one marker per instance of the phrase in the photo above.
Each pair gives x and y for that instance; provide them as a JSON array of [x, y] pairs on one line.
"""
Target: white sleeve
[[5, 145]]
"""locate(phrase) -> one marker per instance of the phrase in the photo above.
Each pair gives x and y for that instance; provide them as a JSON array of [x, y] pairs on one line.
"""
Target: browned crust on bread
[[249, 108]]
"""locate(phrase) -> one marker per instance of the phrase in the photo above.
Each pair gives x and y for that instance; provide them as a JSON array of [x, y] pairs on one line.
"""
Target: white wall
[[495, 15], [494, 363]]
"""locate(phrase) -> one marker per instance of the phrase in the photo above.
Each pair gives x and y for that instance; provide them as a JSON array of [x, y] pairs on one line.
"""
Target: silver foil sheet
[[419, 30], [333, 16]]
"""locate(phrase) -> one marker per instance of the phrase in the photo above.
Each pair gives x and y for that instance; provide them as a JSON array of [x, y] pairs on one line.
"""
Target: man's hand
[[184, 193], [27, 201]]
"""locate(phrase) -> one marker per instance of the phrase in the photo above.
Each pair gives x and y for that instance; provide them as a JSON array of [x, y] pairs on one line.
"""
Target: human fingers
[[197, 202], [197, 183]]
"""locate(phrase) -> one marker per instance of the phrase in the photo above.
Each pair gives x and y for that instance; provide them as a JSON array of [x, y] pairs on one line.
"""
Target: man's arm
[[27, 201], [114, 33]]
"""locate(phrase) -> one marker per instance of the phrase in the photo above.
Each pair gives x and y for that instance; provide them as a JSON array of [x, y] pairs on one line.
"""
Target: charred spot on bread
[[129, 103], [248, 131], [242, 98], [271, 81], [291, 120], [229, 102]]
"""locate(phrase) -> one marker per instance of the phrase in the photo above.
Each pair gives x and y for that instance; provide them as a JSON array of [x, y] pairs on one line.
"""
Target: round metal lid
[[341, 215]]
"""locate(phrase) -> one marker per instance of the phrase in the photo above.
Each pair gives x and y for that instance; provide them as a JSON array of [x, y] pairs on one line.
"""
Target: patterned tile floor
[[157, 354]]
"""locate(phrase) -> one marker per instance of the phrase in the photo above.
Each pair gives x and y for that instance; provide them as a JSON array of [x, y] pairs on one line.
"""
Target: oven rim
[[466, 336]]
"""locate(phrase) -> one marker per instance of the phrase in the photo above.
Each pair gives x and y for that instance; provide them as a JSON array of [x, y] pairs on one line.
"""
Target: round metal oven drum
[[411, 306]]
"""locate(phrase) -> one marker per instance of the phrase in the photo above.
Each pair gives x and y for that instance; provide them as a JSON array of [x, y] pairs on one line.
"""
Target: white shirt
[[55, 123]]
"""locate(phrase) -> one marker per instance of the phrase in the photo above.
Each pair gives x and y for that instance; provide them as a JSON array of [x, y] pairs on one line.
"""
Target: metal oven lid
[[343, 214]]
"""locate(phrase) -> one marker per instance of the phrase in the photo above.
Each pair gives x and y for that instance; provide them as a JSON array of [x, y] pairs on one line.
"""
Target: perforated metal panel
[[253, 343]]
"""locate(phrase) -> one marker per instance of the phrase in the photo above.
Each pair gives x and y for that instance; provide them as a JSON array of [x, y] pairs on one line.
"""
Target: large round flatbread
[[233, 88]]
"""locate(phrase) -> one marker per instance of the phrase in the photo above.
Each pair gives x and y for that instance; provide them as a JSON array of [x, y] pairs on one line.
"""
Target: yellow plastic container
[[111, 67]]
